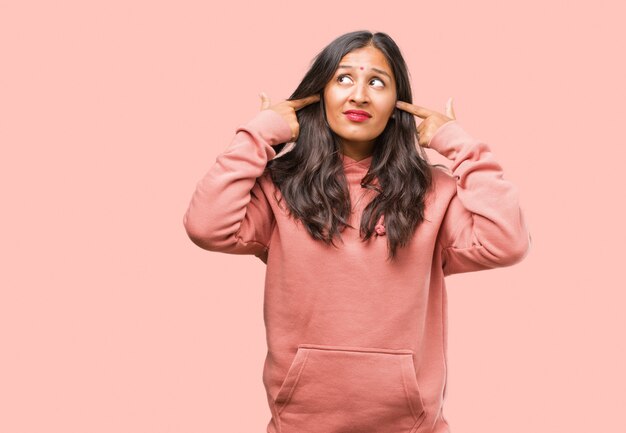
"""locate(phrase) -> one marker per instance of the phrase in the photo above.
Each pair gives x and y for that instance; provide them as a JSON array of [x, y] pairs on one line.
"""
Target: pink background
[[111, 320]]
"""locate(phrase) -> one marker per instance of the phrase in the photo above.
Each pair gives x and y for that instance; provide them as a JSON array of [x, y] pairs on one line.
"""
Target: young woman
[[358, 231]]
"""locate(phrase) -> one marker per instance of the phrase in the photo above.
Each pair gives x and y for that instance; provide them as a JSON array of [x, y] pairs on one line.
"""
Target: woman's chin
[[358, 138]]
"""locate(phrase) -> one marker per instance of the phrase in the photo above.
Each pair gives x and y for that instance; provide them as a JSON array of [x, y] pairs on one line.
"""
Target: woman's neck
[[358, 152]]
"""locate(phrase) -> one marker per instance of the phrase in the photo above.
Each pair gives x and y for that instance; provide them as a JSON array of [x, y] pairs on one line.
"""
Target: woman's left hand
[[432, 119]]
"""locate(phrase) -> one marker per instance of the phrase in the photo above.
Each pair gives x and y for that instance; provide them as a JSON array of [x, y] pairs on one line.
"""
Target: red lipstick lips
[[357, 115]]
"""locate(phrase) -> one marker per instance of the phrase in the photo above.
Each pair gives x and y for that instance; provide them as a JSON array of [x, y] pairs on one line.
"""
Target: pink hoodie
[[356, 343]]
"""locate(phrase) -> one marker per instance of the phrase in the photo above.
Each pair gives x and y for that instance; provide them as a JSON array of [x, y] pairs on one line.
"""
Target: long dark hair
[[310, 176]]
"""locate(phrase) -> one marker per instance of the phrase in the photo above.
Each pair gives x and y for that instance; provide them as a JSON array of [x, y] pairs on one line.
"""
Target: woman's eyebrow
[[380, 71]]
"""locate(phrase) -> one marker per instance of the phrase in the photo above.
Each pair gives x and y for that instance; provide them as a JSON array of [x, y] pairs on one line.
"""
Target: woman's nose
[[360, 94]]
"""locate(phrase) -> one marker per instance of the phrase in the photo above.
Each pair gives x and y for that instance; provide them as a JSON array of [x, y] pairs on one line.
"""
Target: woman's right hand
[[288, 109]]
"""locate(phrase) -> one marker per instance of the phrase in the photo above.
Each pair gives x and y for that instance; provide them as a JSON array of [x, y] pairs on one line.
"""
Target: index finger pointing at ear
[[301, 103], [414, 109]]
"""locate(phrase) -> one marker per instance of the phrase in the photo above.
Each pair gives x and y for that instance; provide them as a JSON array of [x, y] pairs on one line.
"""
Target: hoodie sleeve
[[483, 226], [229, 211]]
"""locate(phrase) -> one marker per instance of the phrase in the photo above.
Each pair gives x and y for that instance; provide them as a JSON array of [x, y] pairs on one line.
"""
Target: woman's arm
[[484, 225], [228, 211]]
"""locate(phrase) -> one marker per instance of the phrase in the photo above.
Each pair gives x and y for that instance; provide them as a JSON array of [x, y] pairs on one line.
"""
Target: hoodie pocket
[[333, 389]]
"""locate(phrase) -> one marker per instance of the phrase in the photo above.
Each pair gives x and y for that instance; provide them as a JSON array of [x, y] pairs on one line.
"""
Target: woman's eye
[[341, 77]]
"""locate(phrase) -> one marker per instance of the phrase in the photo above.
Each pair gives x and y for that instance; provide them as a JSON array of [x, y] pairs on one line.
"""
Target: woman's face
[[363, 81]]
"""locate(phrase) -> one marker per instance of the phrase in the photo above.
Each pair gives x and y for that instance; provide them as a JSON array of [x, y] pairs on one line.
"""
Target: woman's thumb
[[265, 101]]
